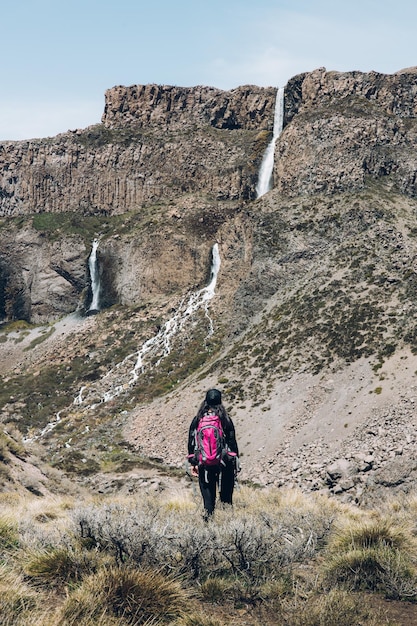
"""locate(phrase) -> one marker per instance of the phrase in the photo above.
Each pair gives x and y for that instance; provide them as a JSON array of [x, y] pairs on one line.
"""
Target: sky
[[60, 56]]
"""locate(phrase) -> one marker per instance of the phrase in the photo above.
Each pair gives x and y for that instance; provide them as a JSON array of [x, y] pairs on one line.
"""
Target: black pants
[[210, 478]]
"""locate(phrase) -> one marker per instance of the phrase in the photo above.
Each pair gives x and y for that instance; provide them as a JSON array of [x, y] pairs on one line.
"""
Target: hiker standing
[[213, 451]]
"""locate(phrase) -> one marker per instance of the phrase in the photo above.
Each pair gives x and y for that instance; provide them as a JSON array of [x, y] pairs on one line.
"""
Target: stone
[[339, 469], [346, 483], [395, 472]]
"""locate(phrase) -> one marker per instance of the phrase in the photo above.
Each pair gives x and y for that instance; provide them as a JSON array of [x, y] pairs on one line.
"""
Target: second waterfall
[[94, 277]]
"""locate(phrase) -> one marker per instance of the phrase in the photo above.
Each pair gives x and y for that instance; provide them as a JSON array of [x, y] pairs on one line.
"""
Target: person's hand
[[194, 470]]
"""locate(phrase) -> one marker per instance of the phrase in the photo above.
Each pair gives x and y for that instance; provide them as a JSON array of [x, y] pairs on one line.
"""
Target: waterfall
[[94, 277], [267, 165], [123, 375], [184, 312]]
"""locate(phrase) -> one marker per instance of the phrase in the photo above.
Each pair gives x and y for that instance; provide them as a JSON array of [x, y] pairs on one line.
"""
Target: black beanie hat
[[213, 397]]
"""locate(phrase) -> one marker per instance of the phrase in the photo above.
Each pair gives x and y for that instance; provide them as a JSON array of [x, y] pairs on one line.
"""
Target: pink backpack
[[209, 441]]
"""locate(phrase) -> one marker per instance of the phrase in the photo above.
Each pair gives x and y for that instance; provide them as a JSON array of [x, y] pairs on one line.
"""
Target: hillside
[[309, 332]]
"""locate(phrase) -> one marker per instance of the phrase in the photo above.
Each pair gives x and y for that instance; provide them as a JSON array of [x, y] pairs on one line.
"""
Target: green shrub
[[75, 462]]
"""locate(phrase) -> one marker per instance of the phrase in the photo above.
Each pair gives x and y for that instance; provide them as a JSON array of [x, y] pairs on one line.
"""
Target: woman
[[222, 474]]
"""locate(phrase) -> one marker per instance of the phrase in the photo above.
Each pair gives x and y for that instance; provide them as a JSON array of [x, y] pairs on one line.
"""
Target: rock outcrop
[[155, 144], [181, 108], [343, 128], [40, 280]]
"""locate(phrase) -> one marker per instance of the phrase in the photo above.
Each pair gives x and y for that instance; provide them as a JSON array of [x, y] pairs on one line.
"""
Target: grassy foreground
[[276, 557]]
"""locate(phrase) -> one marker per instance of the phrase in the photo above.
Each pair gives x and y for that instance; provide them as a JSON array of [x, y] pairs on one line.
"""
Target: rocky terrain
[[310, 332]]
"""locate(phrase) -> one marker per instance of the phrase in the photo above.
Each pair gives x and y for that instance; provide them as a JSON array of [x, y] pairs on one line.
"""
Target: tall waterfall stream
[[267, 165], [94, 277]]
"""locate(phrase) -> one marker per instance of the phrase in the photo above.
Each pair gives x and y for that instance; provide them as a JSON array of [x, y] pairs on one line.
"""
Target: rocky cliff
[[158, 142], [155, 144], [345, 128], [197, 148]]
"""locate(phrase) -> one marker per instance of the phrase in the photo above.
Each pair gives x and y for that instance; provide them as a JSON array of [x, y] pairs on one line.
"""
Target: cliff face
[[159, 143], [40, 280], [181, 160], [44, 271], [344, 128], [155, 144], [180, 108]]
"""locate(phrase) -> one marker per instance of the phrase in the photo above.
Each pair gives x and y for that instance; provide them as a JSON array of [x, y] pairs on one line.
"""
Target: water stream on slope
[[121, 377]]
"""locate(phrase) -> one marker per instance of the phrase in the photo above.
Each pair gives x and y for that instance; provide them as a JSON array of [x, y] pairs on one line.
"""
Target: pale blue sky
[[59, 56]]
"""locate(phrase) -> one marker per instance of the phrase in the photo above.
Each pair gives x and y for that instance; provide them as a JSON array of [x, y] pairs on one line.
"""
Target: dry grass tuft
[[373, 555], [59, 566], [21, 605], [200, 619], [373, 533], [9, 535], [336, 608], [136, 595]]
